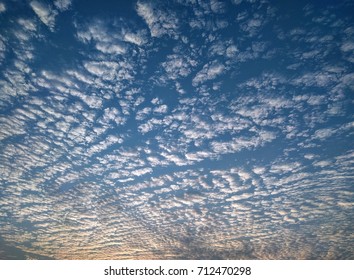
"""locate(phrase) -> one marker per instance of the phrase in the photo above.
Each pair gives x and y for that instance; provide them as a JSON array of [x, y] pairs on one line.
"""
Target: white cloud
[[178, 66], [285, 167], [2, 49], [2, 7], [209, 72], [105, 69], [105, 41], [112, 114], [240, 143], [322, 163], [162, 109], [217, 6], [316, 100], [160, 23], [321, 79], [309, 156], [103, 145], [137, 39], [253, 26], [155, 161], [110, 48], [28, 24], [62, 5], [259, 170], [95, 31], [231, 51], [80, 77], [174, 158], [92, 100], [156, 101], [199, 156], [145, 127], [143, 113], [324, 133], [142, 171], [45, 13], [348, 80], [347, 47]]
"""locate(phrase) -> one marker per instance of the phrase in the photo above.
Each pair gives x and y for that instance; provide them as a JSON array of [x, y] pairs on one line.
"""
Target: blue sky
[[176, 129]]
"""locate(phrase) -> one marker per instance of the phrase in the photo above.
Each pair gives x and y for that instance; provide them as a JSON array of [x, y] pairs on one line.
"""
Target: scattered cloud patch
[[2, 7], [45, 13], [62, 5], [209, 72], [159, 22]]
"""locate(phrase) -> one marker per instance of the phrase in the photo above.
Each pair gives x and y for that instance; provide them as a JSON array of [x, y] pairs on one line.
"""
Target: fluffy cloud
[[209, 72], [2, 7], [160, 22], [45, 13], [62, 5]]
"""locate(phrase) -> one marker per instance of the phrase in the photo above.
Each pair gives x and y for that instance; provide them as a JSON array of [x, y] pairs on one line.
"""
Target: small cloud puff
[[159, 22], [45, 13], [209, 72], [62, 5], [2, 7]]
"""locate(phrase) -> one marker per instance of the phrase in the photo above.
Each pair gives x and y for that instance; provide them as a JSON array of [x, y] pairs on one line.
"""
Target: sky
[[179, 129]]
